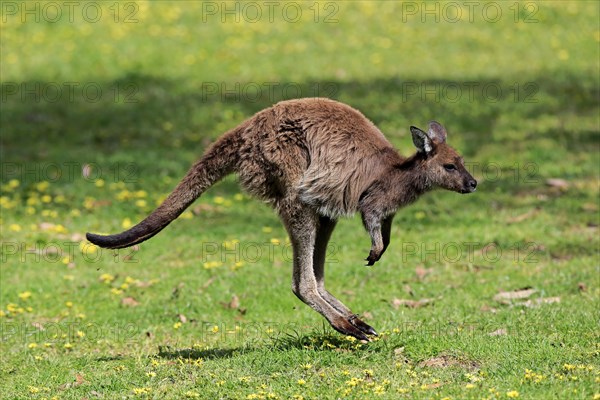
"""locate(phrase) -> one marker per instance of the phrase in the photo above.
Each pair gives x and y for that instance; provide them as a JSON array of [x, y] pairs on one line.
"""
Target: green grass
[[531, 114]]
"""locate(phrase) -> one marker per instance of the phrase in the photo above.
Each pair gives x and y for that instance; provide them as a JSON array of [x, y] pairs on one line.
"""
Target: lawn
[[491, 295]]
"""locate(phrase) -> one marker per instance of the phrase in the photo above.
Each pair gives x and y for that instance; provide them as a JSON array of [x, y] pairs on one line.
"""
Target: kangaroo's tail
[[217, 162]]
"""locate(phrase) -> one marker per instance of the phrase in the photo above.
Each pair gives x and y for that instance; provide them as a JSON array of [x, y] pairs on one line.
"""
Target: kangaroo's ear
[[437, 132], [421, 140]]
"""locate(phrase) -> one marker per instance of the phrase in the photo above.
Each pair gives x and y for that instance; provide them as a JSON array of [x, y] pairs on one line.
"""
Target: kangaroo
[[316, 160]]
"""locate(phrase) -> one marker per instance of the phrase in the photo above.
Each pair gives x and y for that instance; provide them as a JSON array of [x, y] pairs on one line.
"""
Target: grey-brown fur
[[316, 160]]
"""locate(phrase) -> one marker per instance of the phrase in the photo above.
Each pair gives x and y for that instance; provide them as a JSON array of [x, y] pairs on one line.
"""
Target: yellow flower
[[219, 200], [80, 334], [33, 389], [192, 395], [32, 345], [469, 386], [14, 227], [69, 304], [177, 325], [58, 228], [46, 198], [512, 394], [25, 295], [275, 241], [141, 391], [126, 224], [141, 203], [569, 367], [42, 186], [301, 382], [13, 183], [99, 183], [68, 346], [107, 278]]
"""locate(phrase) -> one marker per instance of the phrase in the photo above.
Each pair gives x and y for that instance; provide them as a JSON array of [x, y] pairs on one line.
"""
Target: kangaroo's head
[[442, 165]]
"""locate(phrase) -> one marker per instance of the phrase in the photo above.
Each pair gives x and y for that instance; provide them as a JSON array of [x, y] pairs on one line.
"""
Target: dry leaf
[[523, 217], [538, 302], [506, 297], [582, 287], [498, 332], [46, 226], [86, 170], [557, 183], [486, 308], [77, 237], [396, 303], [235, 302], [38, 326], [78, 380], [129, 302], [408, 290], [182, 318], [366, 315], [422, 272], [208, 283]]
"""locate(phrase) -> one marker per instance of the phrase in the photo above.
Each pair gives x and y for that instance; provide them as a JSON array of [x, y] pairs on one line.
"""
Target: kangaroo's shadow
[[316, 340], [204, 354]]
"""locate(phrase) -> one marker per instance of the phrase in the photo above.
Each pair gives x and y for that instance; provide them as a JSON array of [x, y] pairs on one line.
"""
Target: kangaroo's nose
[[473, 184]]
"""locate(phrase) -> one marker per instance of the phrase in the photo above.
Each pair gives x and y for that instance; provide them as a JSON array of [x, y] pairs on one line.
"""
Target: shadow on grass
[[206, 354], [317, 340], [163, 125]]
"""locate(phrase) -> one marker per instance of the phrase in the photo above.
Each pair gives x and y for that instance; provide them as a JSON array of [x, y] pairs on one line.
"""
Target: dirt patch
[[445, 361]]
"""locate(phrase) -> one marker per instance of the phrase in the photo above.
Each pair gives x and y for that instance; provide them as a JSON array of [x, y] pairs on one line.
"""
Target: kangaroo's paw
[[360, 324], [345, 327], [373, 257]]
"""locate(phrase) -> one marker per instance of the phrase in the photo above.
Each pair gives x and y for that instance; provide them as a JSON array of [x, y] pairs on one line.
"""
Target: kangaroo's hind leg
[[302, 224], [324, 230]]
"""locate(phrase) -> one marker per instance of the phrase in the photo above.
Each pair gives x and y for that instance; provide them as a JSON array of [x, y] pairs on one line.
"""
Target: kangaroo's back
[[324, 152]]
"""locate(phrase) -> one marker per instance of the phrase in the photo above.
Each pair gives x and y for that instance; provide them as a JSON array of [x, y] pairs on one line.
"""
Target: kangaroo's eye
[[449, 167]]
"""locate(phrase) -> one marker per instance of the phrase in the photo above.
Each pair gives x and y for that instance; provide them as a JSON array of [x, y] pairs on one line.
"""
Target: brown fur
[[316, 160]]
